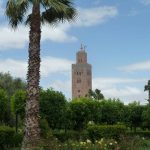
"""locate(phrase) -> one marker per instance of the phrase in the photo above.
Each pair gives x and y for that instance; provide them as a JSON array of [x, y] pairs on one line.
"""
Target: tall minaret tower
[[81, 75]]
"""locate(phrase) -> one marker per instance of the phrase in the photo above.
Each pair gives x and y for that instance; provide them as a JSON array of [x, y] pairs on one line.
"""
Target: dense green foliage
[[52, 107], [112, 111], [97, 132], [11, 84], [4, 107], [96, 95], [79, 113], [45, 129], [8, 86], [135, 111], [76, 120], [146, 117], [18, 101], [63, 136], [100, 112], [8, 138]]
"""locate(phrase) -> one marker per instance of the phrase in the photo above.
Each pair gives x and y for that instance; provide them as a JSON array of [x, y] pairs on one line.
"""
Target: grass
[[145, 145]]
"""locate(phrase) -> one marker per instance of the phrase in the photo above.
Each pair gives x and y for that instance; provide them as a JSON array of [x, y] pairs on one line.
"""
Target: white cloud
[[145, 2], [104, 83], [127, 91], [127, 94], [49, 65], [123, 88], [64, 86], [58, 33], [96, 15], [141, 66], [16, 67], [18, 38], [52, 66], [13, 39], [109, 87], [87, 17]]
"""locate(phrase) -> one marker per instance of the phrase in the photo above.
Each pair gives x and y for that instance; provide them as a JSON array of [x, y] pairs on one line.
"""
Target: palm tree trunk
[[32, 130]]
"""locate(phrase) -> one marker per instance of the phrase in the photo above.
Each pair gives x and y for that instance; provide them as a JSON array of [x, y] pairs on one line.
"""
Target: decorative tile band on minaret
[[81, 75]]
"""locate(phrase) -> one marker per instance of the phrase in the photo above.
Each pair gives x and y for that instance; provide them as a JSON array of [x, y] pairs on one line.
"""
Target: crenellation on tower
[[81, 75]]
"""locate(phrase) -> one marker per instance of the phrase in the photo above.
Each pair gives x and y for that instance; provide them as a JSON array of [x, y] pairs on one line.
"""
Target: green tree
[[146, 117], [11, 84], [83, 111], [97, 95], [52, 107], [147, 88], [135, 115], [54, 11], [112, 111], [80, 113], [18, 101], [4, 107], [95, 111]]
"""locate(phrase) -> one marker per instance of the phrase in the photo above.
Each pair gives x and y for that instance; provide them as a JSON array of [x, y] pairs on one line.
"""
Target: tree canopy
[[11, 84]]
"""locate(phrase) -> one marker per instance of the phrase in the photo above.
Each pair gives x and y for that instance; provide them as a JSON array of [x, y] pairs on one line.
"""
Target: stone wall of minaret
[[81, 75]]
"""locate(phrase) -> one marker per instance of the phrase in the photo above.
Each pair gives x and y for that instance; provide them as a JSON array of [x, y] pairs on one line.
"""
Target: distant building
[[81, 75]]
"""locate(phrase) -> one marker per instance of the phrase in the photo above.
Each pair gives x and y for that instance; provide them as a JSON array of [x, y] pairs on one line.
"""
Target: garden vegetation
[[85, 123]]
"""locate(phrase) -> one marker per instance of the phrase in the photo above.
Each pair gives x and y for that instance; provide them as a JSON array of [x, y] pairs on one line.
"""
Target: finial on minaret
[[81, 48]]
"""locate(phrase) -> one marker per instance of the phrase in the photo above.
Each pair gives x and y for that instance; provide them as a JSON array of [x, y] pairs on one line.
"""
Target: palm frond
[[28, 20], [146, 88], [51, 16], [57, 4], [15, 11], [57, 10]]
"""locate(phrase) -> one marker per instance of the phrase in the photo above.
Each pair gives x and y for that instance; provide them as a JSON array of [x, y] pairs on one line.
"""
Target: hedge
[[63, 136], [96, 132], [8, 138], [145, 134]]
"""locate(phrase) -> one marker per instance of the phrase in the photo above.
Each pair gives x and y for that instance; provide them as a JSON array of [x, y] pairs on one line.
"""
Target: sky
[[117, 38]]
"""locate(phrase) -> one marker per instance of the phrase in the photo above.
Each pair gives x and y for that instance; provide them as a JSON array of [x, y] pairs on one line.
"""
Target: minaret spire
[[81, 48]]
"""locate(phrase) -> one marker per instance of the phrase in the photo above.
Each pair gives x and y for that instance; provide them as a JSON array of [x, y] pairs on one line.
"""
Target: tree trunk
[[32, 130]]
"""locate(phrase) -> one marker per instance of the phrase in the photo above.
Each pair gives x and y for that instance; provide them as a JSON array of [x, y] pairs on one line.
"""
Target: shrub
[[17, 139], [145, 134], [96, 132], [8, 137], [133, 142], [103, 144], [63, 136], [45, 129]]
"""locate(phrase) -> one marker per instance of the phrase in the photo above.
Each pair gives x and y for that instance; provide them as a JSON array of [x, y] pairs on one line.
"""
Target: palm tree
[[54, 12], [147, 88], [96, 95]]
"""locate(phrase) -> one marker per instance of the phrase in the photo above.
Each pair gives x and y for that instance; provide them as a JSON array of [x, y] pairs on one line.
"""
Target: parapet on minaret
[[81, 75]]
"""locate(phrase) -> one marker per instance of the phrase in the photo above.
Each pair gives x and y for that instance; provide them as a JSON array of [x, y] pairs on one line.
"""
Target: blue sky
[[116, 33]]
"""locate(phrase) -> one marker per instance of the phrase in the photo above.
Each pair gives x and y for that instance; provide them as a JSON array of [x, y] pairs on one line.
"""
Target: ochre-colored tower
[[81, 75]]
